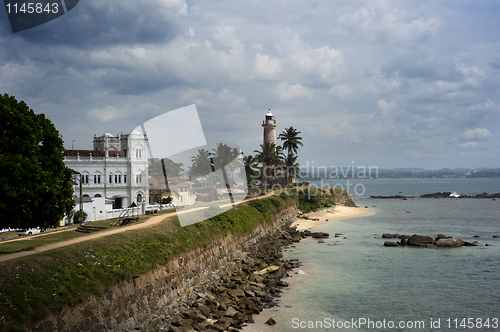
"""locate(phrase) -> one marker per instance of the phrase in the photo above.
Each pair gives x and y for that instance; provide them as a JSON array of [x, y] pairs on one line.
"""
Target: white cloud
[[386, 107], [387, 20], [476, 134], [266, 67], [469, 145], [107, 114], [300, 59], [285, 91]]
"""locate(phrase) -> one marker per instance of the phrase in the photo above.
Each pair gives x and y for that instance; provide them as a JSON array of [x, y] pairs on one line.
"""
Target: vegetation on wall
[[35, 285]]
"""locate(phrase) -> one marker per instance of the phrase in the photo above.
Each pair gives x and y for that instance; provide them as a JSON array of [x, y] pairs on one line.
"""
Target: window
[[85, 179], [116, 178], [139, 198], [124, 178], [110, 178], [119, 178], [138, 153], [138, 178], [97, 178]]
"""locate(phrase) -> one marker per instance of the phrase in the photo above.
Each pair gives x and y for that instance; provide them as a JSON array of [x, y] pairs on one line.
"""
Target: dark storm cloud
[[96, 23]]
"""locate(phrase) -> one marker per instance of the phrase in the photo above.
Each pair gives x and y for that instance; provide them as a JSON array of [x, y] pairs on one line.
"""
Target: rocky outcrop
[[393, 197], [440, 241], [447, 194]]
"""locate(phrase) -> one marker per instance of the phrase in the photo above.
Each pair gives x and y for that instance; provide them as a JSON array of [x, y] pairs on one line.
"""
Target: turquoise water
[[357, 279]]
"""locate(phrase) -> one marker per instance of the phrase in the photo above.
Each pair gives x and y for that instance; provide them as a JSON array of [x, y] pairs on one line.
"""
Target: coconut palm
[[291, 140], [290, 167], [226, 159], [202, 163], [270, 156], [250, 163]]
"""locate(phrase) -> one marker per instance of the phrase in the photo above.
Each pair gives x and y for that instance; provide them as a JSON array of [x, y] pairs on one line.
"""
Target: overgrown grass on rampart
[[32, 286], [312, 199]]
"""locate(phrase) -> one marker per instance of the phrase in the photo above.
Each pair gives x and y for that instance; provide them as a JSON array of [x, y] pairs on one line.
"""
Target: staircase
[[89, 229], [125, 218]]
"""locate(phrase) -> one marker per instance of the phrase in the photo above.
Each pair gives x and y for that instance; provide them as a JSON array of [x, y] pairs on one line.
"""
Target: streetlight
[[80, 218]]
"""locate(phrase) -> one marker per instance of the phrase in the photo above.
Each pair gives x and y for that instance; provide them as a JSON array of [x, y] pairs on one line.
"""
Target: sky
[[367, 83]]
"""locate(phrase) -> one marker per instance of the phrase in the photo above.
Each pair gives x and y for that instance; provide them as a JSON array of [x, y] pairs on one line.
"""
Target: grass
[[51, 236], [32, 286]]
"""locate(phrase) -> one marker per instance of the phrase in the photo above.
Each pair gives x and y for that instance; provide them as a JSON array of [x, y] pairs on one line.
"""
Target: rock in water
[[391, 244], [271, 321], [453, 242], [419, 240]]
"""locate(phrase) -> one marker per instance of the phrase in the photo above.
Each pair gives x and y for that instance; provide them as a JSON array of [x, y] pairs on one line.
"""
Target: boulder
[[420, 240], [271, 321], [391, 244], [389, 236], [230, 312], [267, 270], [451, 242], [237, 292]]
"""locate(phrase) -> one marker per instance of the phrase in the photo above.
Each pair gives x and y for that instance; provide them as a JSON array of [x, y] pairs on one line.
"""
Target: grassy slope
[[32, 286]]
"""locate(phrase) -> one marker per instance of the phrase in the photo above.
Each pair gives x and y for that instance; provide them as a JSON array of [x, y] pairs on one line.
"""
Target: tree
[[36, 189], [202, 163], [226, 159], [269, 156], [290, 168], [250, 164], [291, 140]]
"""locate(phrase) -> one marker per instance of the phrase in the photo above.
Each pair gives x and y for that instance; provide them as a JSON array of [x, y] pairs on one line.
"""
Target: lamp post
[[80, 218]]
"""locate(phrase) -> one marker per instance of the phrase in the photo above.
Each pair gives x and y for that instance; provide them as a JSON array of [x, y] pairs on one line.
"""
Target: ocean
[[354, 283]]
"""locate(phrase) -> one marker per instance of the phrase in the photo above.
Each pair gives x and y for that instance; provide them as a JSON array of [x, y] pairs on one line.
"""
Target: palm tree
[[250, 163], [202, 163], [226, 159], [291, 140], [270, 156], [291, 167]]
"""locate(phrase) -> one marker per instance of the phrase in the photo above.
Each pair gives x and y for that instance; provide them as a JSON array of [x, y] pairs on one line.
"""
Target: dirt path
[[149, 222]]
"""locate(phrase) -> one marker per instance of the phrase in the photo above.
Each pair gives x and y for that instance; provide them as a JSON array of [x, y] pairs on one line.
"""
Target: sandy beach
[[328, 214]]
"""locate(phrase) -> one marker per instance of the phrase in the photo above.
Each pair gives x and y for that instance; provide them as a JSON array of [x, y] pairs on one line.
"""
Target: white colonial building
[[116, 169]]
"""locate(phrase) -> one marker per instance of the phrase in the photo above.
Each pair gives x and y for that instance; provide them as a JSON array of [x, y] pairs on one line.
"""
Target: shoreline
[[326, 215]]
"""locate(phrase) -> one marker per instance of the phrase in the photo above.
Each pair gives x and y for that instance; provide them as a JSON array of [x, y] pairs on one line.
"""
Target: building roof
[[155, 183], [86, 153]]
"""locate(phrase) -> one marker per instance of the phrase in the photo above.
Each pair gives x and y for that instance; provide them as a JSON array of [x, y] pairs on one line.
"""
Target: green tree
[[291, 140], [290, 168], [226, 159], [269, 156], [155, 168], [35, 184], [202, 163], [250, 164]]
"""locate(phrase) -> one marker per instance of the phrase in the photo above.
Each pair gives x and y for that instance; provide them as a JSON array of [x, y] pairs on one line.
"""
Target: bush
[[76, 217]]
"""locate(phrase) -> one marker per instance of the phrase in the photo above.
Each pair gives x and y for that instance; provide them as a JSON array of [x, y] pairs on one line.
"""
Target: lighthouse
[[269, 137], [269, 124]]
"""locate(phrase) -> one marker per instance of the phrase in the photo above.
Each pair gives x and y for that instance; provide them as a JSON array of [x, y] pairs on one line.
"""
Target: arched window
[[97, 178], [85, 195], [97, 195], [139, 198]]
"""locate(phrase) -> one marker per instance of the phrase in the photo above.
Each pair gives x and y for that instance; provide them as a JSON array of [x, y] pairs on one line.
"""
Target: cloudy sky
[[373, 83]]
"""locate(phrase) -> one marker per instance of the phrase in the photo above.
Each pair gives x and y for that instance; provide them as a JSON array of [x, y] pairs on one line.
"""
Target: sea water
[[353, 283]]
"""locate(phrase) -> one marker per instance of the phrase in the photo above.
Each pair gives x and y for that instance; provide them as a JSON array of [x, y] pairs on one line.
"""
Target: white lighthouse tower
[[269, 124], [269, 137]]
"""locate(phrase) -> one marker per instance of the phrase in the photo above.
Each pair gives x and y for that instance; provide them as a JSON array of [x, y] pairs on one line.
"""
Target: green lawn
[[30, 242]]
